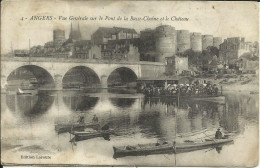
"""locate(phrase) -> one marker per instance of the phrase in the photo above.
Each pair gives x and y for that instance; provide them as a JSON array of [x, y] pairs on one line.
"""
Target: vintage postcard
[[129, 83]]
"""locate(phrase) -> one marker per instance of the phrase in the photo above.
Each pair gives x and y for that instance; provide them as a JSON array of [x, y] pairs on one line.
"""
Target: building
[[117, 43], [123, 49], [104, 34], [248, 64], [176, 65], [232, 48], [21, 53], [83, 49]]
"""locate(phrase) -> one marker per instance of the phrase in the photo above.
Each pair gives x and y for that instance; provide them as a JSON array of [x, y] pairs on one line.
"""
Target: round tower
[[207, 40], [217, 41], [165, 46], [58, 36], [183, 40], [196, 42]]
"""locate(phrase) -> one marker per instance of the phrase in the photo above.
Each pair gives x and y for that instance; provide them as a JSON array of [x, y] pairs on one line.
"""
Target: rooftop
[[108, 32]]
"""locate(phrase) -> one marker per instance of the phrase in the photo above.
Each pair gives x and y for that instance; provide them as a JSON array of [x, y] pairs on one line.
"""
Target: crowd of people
[[182, 90]]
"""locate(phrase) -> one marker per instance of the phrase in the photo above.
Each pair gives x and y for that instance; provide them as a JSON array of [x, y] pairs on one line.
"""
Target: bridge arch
[[80, 77], [29, 76], [122, 76]]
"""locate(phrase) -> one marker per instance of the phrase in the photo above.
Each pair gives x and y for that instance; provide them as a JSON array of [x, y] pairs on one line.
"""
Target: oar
[[166, 157], [70, 132], [142, 149], [210, 149]]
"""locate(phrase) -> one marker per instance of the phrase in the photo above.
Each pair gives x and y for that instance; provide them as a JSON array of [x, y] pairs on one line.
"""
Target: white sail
[[20, 91]]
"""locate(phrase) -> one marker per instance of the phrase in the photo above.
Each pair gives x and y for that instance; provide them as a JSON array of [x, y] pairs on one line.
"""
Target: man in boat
[[95, 118], [81, 120], [105, 127], [215, 89], [218, 134]]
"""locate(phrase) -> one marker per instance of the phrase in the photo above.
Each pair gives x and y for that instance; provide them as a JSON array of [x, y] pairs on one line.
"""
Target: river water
[[28, 124]]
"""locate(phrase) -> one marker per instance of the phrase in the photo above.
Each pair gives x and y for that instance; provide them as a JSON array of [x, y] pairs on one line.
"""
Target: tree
[[193, 57]]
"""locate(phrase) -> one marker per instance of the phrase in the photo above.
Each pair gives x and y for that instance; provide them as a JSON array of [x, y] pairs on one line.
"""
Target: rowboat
[[143, 149], [84, 135], [192, 146], [167, 147], [63, 128]]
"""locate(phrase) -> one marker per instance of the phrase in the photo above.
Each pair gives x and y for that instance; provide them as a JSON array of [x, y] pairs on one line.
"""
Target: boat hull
[[63, 128], [182, 148], [121, 152], [80, 136], [24, 93], [169, 148]]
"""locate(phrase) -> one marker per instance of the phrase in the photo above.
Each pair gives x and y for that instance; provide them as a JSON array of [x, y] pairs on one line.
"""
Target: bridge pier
[[3, 84], [58, 82], [103, 81]]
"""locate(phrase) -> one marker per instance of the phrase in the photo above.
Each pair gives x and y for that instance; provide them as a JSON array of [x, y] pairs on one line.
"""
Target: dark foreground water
[[28, 128]]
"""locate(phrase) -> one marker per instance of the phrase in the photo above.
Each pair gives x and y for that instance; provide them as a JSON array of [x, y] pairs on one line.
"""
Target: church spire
[[79, 34], [70, 30], [75, 34]]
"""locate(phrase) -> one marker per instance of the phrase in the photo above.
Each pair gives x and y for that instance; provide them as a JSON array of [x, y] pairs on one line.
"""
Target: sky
[[223, 19]]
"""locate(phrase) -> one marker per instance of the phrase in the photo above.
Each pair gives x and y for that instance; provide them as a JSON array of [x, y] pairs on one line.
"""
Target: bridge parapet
[[75, 60]]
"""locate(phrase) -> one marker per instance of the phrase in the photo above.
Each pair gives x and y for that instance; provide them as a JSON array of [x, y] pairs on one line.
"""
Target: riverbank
[[240, 83]]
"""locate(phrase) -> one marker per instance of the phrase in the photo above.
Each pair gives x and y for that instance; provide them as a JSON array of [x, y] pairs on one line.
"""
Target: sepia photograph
[[129, 83]]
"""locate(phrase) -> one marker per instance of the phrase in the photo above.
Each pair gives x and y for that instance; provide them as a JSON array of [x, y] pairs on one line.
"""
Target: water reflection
[[30, 105], [154, 116], [122, 102], [138, 119], [80, 103], [122, 90]]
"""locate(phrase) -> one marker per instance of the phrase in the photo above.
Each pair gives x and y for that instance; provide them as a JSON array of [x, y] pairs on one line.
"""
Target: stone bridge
[[54, 69]]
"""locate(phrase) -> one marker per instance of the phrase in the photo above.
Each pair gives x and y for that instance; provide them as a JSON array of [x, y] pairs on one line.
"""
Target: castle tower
[[183, 40], [196, 42], [217, 41], [207, 41], [58, 36], [165, 43]]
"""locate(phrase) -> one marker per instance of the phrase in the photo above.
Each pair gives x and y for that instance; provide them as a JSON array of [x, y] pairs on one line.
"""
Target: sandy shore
[[240, 83]]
